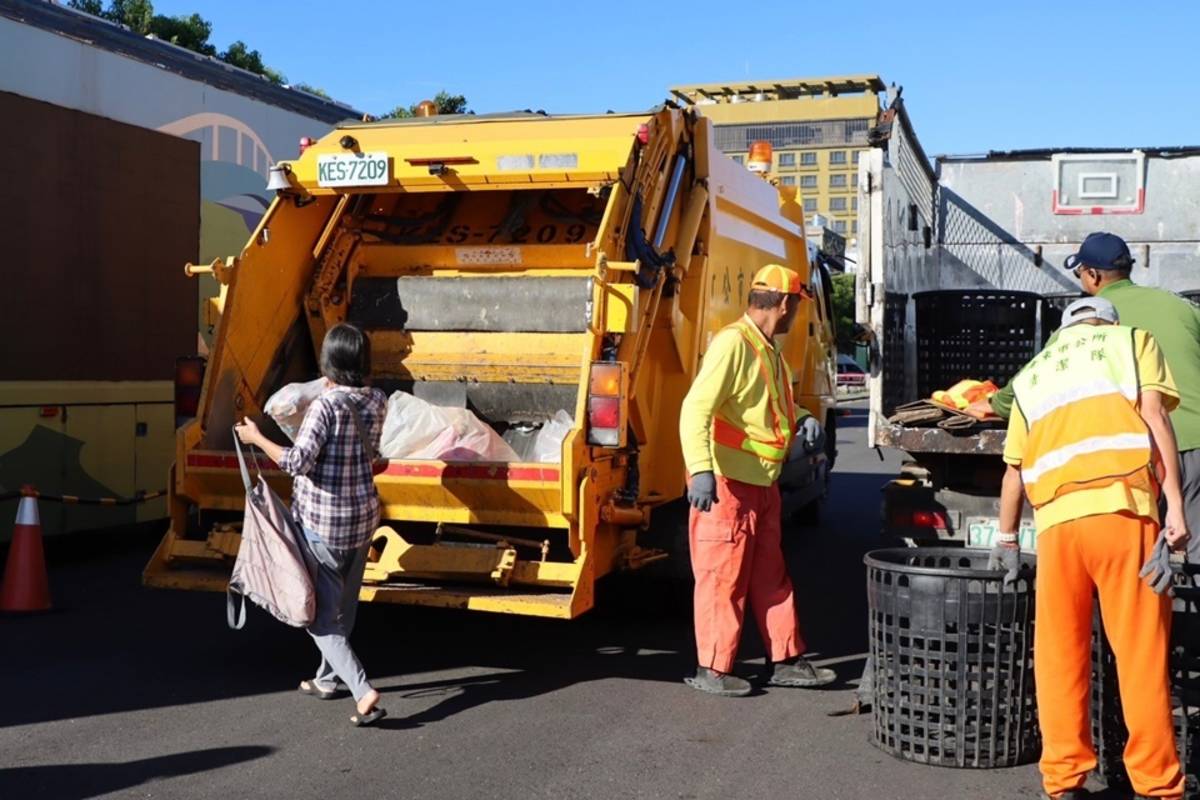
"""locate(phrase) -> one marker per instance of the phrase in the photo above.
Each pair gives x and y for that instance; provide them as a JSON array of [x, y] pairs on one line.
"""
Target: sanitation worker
[[737, 425], [1090, 444], [1103, 267]]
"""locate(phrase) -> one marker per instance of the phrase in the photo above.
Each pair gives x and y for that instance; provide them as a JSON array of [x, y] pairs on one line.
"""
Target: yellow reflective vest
[[1078, 400], [739, 417]]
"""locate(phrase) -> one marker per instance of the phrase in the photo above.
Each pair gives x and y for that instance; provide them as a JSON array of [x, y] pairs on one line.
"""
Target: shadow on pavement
[[173, 648], [80, 781]]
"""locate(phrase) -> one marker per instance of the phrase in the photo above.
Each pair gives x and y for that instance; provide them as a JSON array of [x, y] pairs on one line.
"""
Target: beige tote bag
[[270, 569]]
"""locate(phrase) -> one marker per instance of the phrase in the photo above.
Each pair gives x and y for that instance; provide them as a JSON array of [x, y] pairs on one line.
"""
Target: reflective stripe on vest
[[781, 405], [1079, 401]]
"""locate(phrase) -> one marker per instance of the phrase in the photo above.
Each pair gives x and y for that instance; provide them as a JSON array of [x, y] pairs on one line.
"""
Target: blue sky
[[976, 76]]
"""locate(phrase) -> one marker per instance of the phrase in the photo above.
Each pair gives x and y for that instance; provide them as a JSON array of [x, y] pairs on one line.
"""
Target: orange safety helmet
[[778, 278], [426, 108]]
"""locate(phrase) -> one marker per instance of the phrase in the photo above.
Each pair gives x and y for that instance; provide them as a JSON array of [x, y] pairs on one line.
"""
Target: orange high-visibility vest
[[782, 406], [1079, 400], [964, 393]]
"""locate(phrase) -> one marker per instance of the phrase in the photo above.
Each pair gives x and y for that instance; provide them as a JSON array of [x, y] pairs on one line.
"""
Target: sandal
[[313, 689], [370, 718]]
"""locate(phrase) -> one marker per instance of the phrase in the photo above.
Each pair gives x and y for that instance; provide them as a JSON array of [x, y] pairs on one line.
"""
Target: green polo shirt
[[1175, 324]]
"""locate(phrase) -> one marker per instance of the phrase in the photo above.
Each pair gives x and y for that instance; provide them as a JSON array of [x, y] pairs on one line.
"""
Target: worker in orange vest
[[1090, 443], [737, 425]]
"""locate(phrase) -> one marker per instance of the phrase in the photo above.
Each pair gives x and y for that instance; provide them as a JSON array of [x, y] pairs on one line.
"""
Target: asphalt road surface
[[131, 692]]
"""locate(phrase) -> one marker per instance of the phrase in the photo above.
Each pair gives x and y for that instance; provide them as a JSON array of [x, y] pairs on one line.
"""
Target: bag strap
[[236, 619], [241, 457], [368, 450]]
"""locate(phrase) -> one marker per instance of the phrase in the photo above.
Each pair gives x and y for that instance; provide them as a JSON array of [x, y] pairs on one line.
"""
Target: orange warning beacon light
[[760, 157]]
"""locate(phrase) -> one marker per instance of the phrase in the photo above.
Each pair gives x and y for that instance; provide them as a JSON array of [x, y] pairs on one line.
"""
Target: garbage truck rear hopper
[[518, 265]]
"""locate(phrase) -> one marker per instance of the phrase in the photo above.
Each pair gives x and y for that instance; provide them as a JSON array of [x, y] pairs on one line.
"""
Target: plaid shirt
[[334, 492]]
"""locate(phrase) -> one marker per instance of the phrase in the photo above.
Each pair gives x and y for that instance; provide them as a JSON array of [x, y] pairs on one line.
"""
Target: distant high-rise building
[[817, 128]]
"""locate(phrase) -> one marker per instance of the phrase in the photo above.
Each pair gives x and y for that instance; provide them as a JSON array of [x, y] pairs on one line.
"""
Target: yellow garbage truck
[[518, 266]]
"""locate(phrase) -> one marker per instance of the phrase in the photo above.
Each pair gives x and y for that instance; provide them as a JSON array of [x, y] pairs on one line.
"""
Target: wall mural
[[233, 175]]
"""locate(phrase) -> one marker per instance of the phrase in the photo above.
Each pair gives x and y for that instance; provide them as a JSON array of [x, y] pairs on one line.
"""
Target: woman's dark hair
[[346, 355]]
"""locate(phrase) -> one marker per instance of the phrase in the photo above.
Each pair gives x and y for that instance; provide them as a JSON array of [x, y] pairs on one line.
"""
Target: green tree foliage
[[304, 87], [446, 104], [93, 7], [137, 15], [190, 31], [843, 311]]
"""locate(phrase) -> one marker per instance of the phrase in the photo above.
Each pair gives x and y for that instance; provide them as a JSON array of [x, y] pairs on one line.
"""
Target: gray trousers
[[1189, 477], [338, 577]]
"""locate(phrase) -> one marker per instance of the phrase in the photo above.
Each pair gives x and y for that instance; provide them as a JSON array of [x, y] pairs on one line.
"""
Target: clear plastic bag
[[547, 448], [289, 405]]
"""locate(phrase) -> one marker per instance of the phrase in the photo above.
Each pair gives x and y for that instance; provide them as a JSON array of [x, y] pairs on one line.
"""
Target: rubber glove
[[1157, 570], [1008, 558], [811, 432], [702, 491]]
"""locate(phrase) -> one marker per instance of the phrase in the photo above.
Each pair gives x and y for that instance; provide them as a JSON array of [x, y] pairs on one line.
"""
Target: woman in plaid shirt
[[335, 501]]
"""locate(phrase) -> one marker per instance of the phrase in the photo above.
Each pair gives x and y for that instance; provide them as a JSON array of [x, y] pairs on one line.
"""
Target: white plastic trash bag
[[410, 425], [288, 405], [547, 448], [466, 438], [416, 430]]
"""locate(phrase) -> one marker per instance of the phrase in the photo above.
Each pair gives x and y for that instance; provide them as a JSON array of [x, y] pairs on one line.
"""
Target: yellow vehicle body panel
[[90, 439], [500, 260]]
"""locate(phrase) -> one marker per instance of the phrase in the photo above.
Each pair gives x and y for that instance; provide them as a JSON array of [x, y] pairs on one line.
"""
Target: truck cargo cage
[[979, 334]]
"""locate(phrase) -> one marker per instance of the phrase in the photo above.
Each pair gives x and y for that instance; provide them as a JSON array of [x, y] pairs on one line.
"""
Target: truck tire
[[810, 515], [669, 531]]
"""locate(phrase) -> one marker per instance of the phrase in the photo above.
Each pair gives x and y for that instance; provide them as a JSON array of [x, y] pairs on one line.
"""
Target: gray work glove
[[1157, 570], [1004, 557], [702, 491], [811, 433]]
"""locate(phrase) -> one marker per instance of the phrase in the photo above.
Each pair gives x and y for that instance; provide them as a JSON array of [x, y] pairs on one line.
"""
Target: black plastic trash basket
[[952, 649], [1108, 726]]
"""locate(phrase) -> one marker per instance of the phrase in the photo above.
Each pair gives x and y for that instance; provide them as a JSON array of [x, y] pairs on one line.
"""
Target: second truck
[[961, 277]]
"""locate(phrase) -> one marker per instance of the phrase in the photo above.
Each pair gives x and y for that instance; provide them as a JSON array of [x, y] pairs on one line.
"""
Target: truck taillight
[[606, 404], [920, 519], [189, 378]]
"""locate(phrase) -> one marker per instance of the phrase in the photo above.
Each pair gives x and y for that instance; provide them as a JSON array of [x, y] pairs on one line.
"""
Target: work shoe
[[1073, 794], [718, 683], [800, 673]]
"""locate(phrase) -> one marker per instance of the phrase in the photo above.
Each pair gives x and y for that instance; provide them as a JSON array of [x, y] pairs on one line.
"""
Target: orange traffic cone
[[26, 586]]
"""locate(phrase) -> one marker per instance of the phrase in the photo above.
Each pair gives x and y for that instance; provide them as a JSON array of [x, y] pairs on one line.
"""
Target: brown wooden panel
[[97, 220]]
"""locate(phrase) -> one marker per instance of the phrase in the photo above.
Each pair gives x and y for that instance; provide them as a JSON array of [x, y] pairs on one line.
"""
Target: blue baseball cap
[[1101, 251]]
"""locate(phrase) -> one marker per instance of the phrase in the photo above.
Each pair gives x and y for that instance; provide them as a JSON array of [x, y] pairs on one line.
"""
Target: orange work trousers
[[1102, 554], [737, 552]]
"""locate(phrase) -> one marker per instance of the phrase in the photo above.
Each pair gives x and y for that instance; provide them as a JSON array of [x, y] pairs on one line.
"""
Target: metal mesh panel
[[952, 649]]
